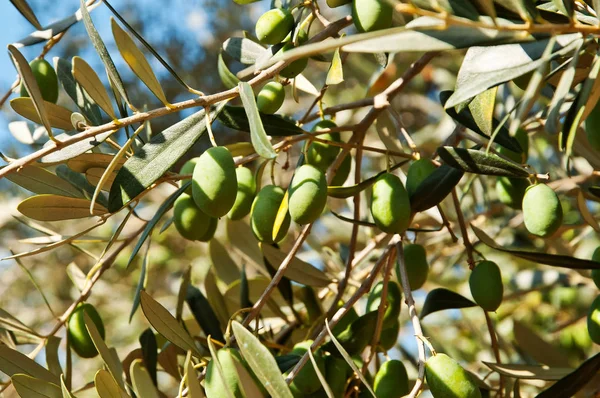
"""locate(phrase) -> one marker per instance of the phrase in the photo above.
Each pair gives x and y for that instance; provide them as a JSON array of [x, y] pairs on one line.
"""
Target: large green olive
[[307, 381], [191, 222], [263, 214], [337, 372], [446, 378], [391, 380], [417, 267], [486, 286], [510, 191], [542, 211], [270, 97], [417, 173], [79, 337], [370, 15], [46, 79], [393, 301], [596, 272], [246, 191], [188, 168], [214, 184], [307, 194], [320, 154], [593, 321], [274, 25], [390, 205], [295, 67]]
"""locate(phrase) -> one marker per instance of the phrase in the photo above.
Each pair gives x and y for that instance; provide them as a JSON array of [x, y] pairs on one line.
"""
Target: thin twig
[[463, 230], [496, 349]]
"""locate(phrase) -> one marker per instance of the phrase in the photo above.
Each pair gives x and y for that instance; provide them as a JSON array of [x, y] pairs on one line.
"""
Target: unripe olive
[[337, 372], [264, 211], [370, 15], [391, 380], [46, 79], [510, 191], [346, 320], [393, 301], [214, 184], [79, 337], [486, 286], [307, 381], [188, 168], [246, 191], [270, 97], [273, 26], [390, 205], [295, 67], [213, 222], [356, 336], [542, 211], [307, 194], [523, 140], [592, 127], [337, 3], [191, 222], [593, 321], [446, 378], [417, 267], [342, 172], [389, 335], [417, 173], [320, 154], [596, 272]]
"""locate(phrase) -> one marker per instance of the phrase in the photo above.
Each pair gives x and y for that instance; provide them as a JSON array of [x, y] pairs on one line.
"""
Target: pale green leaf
[[113, 364], [41, 181], [30, 387], [56, 208], [89, 80], [335, 75], [141, 380], [258, 136]]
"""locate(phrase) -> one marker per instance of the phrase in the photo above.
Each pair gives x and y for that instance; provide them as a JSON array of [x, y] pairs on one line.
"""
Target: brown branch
[[496, 349]]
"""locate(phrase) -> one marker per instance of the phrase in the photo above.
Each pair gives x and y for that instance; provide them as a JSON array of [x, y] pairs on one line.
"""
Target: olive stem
[[495, 348], [463, 230], [414, 317]]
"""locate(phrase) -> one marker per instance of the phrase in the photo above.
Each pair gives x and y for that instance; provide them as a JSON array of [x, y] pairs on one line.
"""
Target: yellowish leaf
[[113, 364], [89, 80], [30, 387], [194, 388], [94, 174], [106, 386], [55, 115], [137, 61], [141, 380], [56, 208], [281, 215], [86, 161]]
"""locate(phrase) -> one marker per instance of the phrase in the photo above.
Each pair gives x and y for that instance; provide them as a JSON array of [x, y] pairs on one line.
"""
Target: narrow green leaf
[[194, 387], [166, 324], [216, 299], [227, 270], [57, 208], [86, 76], [443, 299], [555, 260], [13, 362], [523, 8], [219, 369], [98, 44], [82, 99], [30, 387], [299, 271], [113, 364], [243, 50], [75, 149], [41, 181], [51, 350], [155, 158], [529, 372], [140, 378], [235, 117], [27, 12], [482, 109], [453, 7], [335, 75], [569, 385], [261, 362], [203, 313], [560, 94], [435, 188], [142, 281], [181, 295], [479, 162], [228, 79], [258, 135], [346, 192]]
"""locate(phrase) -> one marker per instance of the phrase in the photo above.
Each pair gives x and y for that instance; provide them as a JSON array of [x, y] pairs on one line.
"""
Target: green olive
[[346, 320], [270, 97], [596, 272], [320, 154], [213, 223], [417, 267], [593, 321], [295, 67], [357, 336], [510, 191], [337, 3], [307, 194], [393, 301], [389, 336], [214, 184], [246, 191], [390, 205], [264, 211], [79, 337], [446, 378], [370, 15], [274, 25], [542, 211], [486, 286], [191, 222], [337, 372], [417, 173], [307, 381], [391, 380], [46, 79], [188, 168]]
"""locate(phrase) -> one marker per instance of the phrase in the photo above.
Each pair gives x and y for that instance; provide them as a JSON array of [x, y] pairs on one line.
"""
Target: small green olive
[[263, 214], [270, 97], [46, 79], [417, 173], [542, 211], [191, 222], [214, 184], [393, 301], [79, 337], [486, 286], [274, 25], [246, 191], [390, 205], [295, 67], [446, 378], [320, 154], [370, 15], [593, 321], [596, 272], [417, 267], [391, 380], [307, 194], [188, 168]]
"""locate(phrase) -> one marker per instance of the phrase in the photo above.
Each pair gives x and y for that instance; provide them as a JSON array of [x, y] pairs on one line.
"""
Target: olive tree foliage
[[397, 199]]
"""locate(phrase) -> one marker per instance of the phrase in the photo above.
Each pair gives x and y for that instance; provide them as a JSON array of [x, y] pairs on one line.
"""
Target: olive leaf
[[235, 117], [346, 192], [72, 150], [55, 208], [443, 299], [335, 74], [555, 260], [88, 79], [243, 50], [55, 115], [258, 135], [112, 363], [203, 313], [27, 12], [41, 181], [435, 188], [142, 382], [78, 94], [480, 162], [228, 79], [528, 372], [106, 386], [27, 386], [569, 385], [13, 362]]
